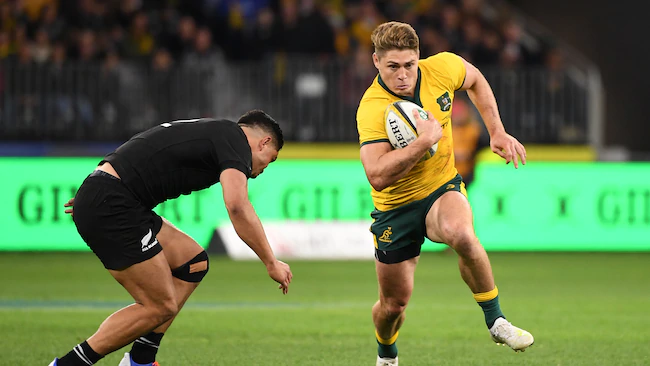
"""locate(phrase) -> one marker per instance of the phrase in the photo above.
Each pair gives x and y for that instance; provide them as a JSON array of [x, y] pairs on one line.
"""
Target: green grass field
[[583, 309]]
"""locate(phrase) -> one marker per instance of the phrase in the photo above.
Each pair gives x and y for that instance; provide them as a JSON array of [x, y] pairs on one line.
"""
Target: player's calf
[[145, 348]]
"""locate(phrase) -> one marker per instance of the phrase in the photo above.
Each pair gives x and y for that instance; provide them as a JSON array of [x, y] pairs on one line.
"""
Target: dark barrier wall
[[613, 34]]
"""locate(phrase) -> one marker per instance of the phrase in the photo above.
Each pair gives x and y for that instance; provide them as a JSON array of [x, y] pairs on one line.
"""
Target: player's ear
[[375, 60], [264, 141]]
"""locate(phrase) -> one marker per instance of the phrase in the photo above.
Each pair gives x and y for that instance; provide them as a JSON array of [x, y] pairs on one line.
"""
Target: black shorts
[[113, 222], [398, 255]]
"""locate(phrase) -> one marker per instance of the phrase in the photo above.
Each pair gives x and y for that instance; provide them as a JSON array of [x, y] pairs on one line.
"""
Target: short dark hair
[[257, 118]]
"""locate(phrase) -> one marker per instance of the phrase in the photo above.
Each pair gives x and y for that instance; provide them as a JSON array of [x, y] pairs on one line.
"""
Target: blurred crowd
[[184, 31], [103, 69]]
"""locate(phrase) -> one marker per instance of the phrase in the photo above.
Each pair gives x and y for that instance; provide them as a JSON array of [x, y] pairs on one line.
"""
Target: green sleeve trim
[[374, 141], [463, 83], [464, 77]]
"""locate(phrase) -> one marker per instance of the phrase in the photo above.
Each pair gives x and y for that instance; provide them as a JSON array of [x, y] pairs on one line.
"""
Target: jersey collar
[[416, 92]]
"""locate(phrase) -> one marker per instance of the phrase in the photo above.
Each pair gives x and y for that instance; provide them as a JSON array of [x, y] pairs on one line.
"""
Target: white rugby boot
[[53, 363], [386, 361], [504, 333], [126, 360]]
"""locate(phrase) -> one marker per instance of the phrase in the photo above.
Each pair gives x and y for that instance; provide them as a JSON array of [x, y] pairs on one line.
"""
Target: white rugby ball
[[401, 127]]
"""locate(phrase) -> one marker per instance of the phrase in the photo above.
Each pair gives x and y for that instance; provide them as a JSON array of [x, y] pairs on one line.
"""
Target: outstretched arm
[[248, 226], [481, 94]]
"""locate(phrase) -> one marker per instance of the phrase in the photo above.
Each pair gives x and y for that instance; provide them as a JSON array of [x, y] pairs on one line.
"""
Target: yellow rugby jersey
[[439, 76]]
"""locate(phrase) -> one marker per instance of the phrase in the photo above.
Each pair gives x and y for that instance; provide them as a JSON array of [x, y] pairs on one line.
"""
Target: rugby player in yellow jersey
[[415, 198]]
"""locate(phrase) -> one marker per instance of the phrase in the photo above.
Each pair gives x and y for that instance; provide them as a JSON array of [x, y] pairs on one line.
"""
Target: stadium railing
[[313, 99]]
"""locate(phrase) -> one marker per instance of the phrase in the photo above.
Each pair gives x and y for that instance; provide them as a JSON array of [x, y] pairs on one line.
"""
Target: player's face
[[262, 157], [398, 70]]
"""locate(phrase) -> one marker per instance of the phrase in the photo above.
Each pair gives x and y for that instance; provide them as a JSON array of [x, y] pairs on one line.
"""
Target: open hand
[[280, 273], [508, 148]]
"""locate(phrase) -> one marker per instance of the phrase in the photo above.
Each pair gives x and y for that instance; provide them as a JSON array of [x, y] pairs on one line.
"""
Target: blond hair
[[394, 36]]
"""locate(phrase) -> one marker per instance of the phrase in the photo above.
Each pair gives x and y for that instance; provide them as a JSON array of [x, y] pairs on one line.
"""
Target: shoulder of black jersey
[[216, 120]]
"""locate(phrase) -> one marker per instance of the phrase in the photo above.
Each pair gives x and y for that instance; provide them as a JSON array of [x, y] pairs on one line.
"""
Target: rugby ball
[[401, 127]]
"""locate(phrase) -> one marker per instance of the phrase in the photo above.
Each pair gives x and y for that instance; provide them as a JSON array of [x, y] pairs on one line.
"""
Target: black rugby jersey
[[180, 157]]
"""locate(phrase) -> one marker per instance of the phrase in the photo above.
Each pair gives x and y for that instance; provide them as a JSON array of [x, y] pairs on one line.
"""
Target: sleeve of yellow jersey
[[370, 121], [453, 66]]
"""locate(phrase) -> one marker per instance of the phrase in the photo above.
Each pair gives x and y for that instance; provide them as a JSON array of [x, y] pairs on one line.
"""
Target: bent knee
[[394, 308], [462, 240], [165, 310]]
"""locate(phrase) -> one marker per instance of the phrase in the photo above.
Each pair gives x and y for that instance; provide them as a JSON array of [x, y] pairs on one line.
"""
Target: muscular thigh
[[179, 247], [149, 282], [396, 280], [449, 217]]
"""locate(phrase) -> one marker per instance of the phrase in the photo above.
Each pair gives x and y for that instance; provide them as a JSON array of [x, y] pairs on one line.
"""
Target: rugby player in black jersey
[[159, 265]]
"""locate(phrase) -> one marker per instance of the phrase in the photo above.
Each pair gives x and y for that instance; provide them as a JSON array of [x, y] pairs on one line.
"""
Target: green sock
[[389, 351], [492, 311], [385, 350]]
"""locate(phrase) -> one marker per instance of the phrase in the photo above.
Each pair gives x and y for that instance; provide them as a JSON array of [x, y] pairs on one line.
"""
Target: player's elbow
[[235, 207], [378, 182]]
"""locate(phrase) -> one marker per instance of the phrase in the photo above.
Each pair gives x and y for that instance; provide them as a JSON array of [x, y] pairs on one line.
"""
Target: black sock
[[145, 348], [81, 355]]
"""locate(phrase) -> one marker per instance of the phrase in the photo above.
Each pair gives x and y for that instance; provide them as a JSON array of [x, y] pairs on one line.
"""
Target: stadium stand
[[101, 70]]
